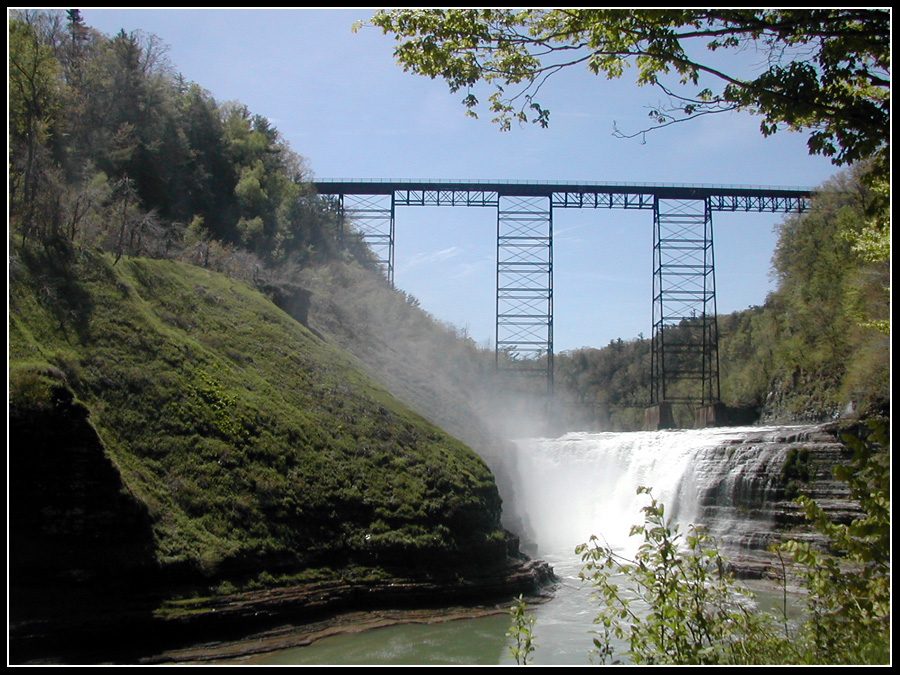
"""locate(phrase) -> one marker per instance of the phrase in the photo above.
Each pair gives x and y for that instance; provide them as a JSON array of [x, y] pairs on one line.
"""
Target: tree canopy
[[110, 147], [822, 70]]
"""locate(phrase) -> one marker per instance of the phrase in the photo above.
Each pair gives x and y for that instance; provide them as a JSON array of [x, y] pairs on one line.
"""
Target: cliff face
[[172, 431], [747, 490], [71, 517]]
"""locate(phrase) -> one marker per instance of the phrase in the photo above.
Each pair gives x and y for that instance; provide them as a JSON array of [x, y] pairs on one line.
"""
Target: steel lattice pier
[[684, 359]]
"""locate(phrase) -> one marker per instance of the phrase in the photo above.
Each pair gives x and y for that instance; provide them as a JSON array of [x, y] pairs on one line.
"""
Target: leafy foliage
[[849, 601], [521, 633], [675, 603], [110, 147], [827, 70], [678, 604], [611, 384]]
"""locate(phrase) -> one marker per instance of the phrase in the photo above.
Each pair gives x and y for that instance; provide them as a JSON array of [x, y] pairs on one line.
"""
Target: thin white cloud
[[426, 259]]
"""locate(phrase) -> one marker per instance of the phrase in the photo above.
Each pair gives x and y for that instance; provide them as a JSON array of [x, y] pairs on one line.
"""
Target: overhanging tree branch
[[827, 70]]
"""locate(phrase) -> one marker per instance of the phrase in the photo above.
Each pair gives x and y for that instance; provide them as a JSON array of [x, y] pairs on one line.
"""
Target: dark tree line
[[110, 146]]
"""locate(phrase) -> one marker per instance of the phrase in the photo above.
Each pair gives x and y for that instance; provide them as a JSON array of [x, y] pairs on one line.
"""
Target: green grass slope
[[252, 445]]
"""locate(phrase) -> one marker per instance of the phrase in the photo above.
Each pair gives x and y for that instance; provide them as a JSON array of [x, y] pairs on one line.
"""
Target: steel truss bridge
[[684, 346]]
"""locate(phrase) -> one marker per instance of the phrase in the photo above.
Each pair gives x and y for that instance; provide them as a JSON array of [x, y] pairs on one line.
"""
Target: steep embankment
[[432, 366], [173, 427]]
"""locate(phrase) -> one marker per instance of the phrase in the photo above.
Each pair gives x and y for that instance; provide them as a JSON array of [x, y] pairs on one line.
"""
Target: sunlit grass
[[255, 443]]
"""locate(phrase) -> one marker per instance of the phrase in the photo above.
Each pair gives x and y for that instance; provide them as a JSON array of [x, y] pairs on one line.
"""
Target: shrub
[[521, 633], [679, 605], [695, 612], [849, 601]]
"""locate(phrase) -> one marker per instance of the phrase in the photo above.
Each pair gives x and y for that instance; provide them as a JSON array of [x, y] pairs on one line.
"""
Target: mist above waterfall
[[556, 493]]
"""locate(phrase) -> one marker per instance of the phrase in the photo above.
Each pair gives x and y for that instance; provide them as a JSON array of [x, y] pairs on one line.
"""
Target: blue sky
[[342, 102]]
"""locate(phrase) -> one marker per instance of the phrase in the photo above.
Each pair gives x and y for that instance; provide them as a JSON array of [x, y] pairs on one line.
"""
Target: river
[[566, 489]]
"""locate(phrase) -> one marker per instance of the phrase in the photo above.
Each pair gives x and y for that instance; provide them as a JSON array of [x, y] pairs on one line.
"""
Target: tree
[[826, 70], [35, 93]]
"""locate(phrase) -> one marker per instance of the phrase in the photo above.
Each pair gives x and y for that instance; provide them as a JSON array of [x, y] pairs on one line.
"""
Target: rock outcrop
[[747, 491], [71, 516]]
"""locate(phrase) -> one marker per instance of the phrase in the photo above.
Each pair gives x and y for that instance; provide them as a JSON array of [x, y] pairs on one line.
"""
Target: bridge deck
[[572, 194]]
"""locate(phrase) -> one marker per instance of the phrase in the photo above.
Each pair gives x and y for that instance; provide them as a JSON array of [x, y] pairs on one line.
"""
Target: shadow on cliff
[[80, 545]]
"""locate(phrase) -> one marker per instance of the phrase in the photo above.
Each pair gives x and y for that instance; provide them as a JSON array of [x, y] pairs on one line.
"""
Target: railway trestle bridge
[[684, 342]]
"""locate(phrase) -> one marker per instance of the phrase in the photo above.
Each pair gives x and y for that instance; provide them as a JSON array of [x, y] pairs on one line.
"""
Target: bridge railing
[[566, 183]]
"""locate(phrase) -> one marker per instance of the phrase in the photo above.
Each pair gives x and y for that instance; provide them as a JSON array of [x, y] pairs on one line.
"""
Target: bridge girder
[[684, 346]]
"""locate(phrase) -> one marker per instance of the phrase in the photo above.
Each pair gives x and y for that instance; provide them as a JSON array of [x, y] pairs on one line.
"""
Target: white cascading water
[[585, 484], [581, 484]]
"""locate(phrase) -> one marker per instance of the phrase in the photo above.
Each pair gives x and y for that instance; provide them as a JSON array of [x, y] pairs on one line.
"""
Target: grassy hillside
[[254, 446]]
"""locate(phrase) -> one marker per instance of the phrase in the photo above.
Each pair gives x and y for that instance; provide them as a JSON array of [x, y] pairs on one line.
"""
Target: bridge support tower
[[524, 328], [373, 218], [684, 342], [685, 339]]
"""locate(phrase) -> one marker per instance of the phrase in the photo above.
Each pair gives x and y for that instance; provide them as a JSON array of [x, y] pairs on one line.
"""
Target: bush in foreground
[[680, 605]]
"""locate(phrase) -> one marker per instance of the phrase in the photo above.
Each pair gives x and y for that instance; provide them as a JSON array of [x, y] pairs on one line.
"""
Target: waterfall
[[567, 489], [560, 491]]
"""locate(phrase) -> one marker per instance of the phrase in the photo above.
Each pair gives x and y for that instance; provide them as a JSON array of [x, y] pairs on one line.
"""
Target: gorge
[[114, 482], [559, 491], [224, 419]]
